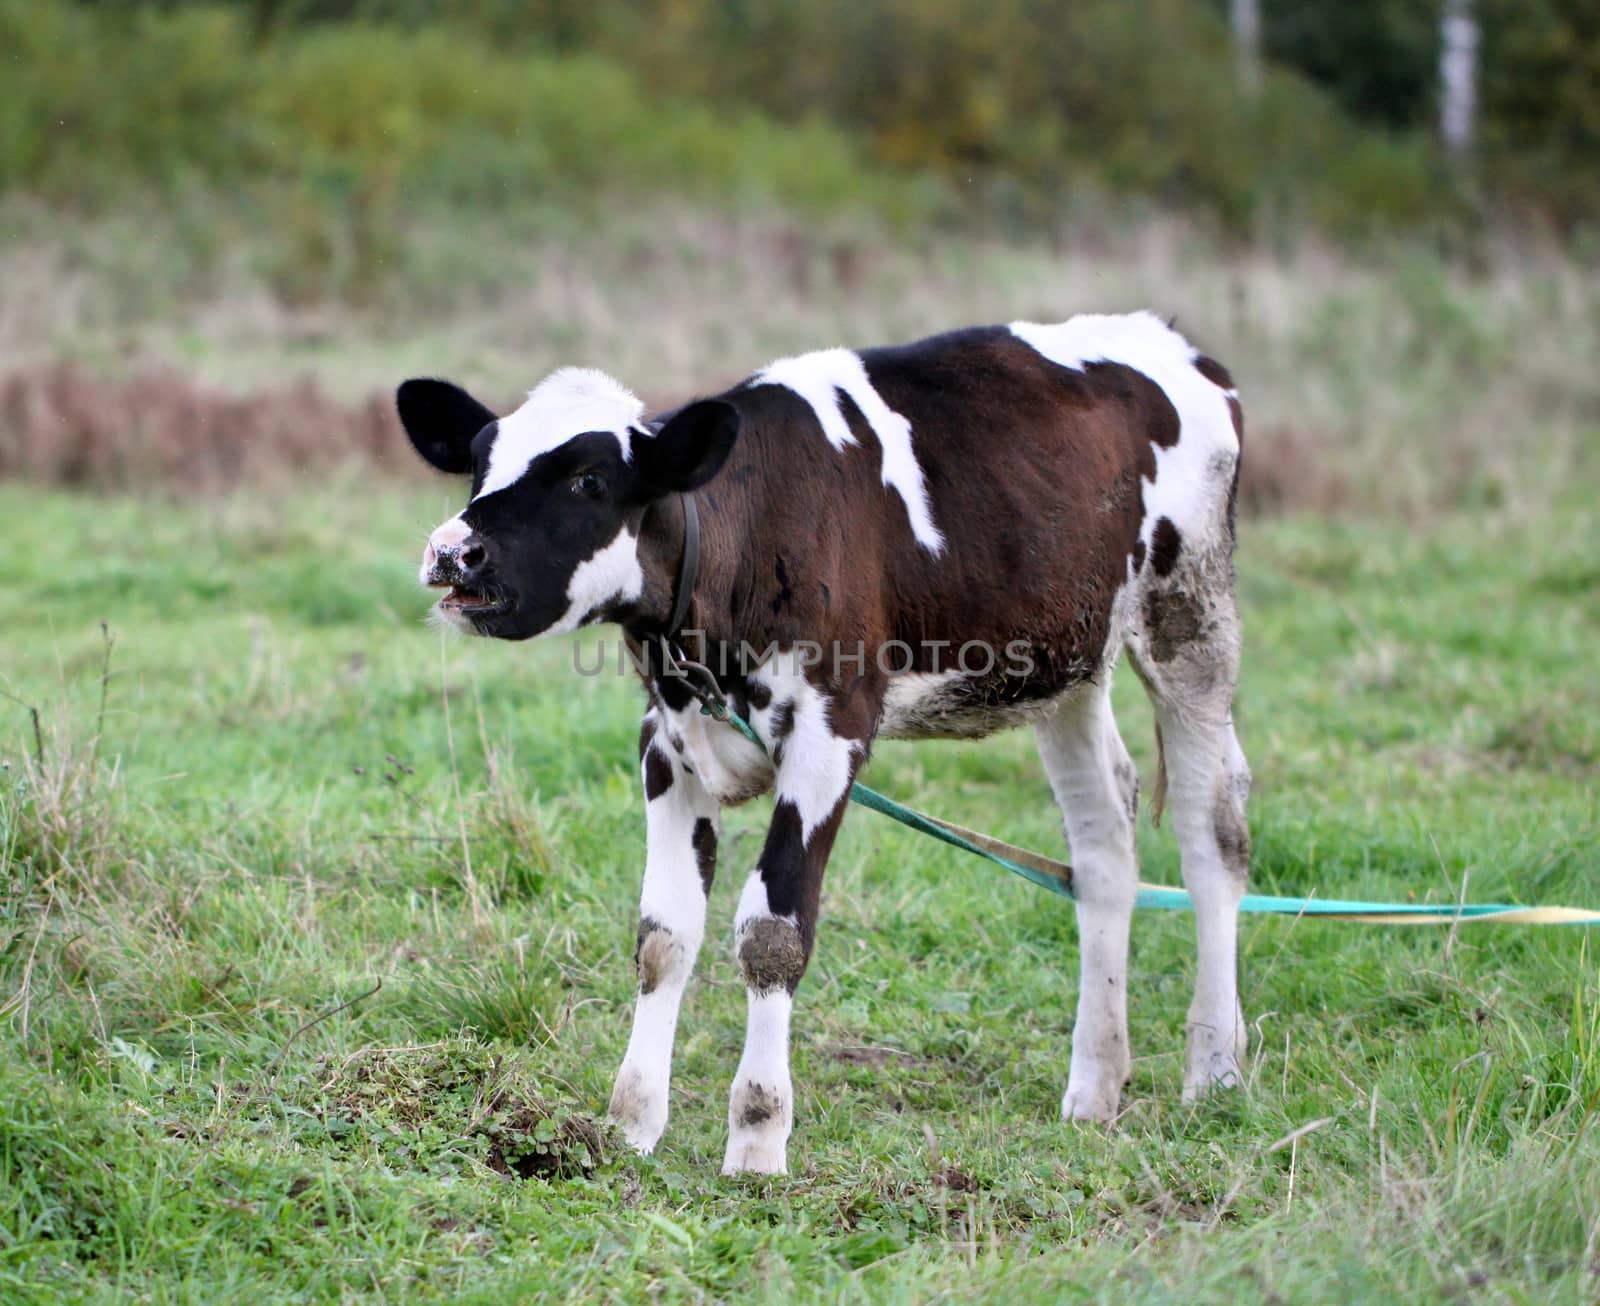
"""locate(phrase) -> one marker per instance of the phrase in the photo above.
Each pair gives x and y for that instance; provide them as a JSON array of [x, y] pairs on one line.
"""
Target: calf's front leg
[[820, 742], [681, 821]]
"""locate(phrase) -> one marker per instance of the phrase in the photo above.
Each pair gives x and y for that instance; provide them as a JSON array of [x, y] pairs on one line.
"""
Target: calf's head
[[549, 539]]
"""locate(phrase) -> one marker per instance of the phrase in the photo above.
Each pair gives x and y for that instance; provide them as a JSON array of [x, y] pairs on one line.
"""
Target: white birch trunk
[[1245, 16], [1458, 76]]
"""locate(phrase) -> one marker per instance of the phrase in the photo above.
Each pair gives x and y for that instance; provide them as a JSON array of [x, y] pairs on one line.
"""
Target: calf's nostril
[[472, 557]]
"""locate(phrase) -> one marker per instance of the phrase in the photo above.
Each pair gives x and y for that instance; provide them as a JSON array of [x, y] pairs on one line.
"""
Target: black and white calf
[[936, 540]]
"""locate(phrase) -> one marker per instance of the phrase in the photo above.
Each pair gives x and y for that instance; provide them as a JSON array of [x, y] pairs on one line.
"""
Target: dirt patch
[[657, 953], [1233, 837], [957, 1180], [771, 955], [528, 1140], [758, 1106], [1174, 620], [419, 1101], [877, 1058]]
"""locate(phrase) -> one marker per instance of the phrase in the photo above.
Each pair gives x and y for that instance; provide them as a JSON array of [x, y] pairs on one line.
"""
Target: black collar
[[697, 679], [688, 566]]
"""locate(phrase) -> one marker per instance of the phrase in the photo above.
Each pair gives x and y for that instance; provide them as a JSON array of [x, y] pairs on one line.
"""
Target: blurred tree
[[1541, 103], [1378, 58], [1033, 101]]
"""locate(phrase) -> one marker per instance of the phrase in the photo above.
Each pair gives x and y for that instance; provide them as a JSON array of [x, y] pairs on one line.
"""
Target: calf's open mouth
[[463, 598]]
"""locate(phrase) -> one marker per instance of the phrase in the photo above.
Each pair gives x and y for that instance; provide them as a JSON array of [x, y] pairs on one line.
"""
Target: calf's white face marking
[[818, 378], [566, 403]]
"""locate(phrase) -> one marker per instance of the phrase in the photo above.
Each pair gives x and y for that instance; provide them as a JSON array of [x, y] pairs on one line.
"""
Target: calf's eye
[[591, 485]]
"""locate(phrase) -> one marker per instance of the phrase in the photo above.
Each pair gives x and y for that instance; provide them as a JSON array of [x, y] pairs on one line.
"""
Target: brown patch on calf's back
[[771, 955], [1034, 473]]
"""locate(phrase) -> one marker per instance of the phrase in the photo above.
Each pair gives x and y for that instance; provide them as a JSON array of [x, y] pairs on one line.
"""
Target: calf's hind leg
[[1098, 790], [1188, 656]]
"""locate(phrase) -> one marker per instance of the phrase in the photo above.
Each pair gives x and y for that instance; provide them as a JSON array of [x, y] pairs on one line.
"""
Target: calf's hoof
[[1219, 1071], [1094, 1104], [753, 1154], [638, 1112]]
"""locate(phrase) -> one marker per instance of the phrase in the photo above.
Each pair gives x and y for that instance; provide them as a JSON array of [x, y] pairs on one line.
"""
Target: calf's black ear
[[688, 451], [441, 420]]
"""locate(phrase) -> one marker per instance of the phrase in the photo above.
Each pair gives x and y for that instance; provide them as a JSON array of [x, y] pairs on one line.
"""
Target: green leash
[[1046, 872], [1056, 876]]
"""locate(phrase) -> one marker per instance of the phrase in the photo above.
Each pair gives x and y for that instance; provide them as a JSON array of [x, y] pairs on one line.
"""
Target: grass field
[[286, 790]]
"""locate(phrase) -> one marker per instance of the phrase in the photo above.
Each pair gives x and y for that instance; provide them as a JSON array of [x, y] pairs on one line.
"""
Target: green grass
[[291, 791]]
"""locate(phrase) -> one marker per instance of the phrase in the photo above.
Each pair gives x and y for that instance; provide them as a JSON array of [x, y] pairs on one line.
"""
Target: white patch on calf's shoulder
[[818, 378], [612, 575], [815, 772], [567, 403], [1182, 490]]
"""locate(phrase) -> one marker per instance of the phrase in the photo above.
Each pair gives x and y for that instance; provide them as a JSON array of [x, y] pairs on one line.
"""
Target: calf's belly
[[950, 705]]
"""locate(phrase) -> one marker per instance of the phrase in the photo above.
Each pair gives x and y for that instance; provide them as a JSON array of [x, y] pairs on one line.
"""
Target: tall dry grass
[[1397, 383], [64, 424]]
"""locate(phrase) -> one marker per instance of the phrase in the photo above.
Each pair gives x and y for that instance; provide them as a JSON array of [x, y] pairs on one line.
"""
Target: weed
[[419, 1106]]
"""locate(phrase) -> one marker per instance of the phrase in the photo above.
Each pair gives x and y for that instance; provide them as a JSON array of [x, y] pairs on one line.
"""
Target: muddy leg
[[680, 858], [1095, 784]]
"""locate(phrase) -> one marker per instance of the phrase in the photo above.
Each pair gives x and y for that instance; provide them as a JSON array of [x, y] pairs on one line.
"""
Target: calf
[[932, 541]]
